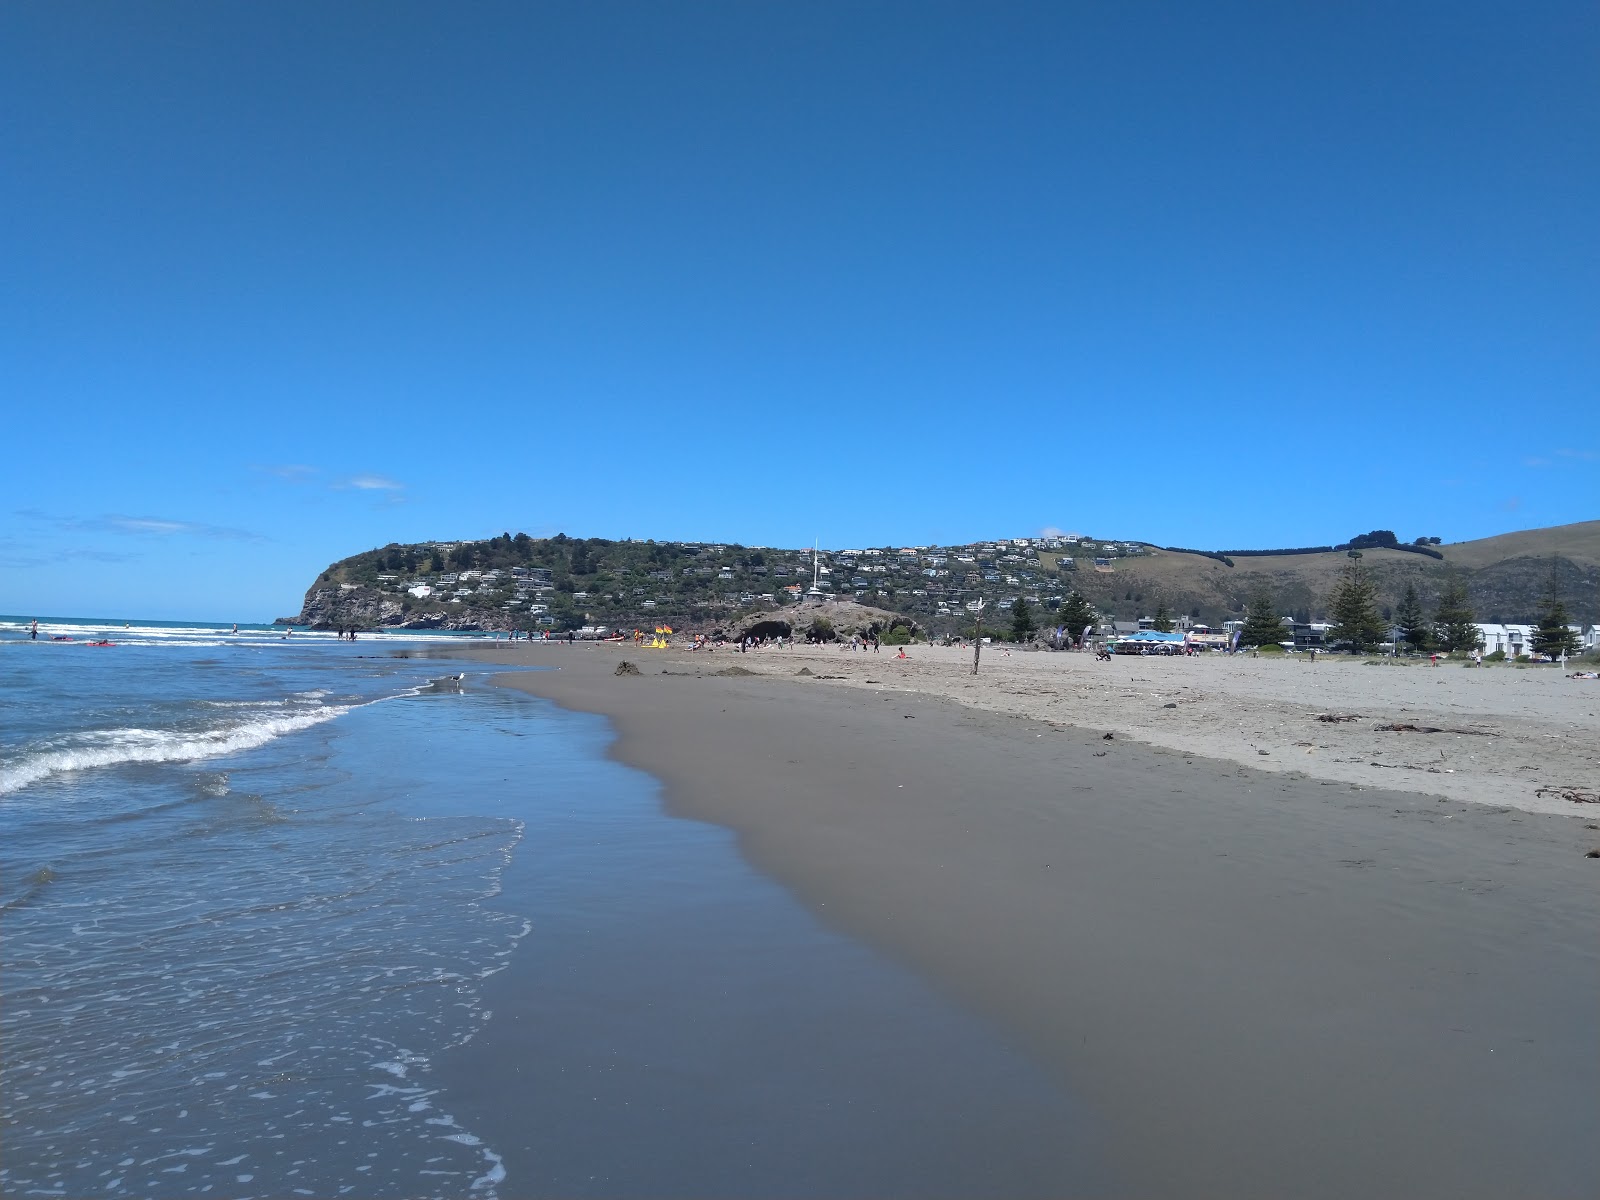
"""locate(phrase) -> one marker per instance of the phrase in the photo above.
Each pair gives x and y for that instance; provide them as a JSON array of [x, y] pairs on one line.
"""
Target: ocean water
[[219, 950], [309, 918]]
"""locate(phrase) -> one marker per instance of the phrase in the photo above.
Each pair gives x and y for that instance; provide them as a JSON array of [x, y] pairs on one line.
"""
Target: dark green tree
[[1354, 607], [1415, 627], [1553, 637], [1162, 621], [1022, 624], [1262, 626], [1076, 614], [1454, 627]]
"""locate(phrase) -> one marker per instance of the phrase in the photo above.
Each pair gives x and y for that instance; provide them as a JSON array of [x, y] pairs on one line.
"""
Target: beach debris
[[910, 716], [1577, 795], [1593, 854], [1407, 727], [626, 668], [1099, 753], [1169, 705], [805, 671], [1105, 737], [1263, 753], [1335, 718]]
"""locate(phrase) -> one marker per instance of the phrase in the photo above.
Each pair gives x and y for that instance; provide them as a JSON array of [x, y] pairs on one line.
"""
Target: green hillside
[[518, 582]]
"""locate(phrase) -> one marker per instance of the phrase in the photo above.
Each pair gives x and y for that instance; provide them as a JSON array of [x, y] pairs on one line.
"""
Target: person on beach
[[1434, 658], [33, 632]]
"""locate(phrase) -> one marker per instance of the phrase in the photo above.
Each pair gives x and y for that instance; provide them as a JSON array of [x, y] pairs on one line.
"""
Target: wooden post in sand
[[977, 636]]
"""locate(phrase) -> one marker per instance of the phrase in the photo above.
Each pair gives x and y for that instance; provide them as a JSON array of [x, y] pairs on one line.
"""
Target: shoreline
[[1500, 736], [1262, 983]]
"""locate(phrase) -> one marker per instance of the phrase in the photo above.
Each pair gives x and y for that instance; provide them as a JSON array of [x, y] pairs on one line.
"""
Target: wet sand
[[1261, 984]]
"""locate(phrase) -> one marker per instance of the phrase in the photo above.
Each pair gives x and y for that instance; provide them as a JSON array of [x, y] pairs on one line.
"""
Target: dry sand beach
[[1264, 975], [1505, 732]]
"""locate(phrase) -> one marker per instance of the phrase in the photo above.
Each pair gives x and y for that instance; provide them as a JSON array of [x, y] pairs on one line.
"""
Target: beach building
[[1182, 623], [1510, 640], [1310, 635]]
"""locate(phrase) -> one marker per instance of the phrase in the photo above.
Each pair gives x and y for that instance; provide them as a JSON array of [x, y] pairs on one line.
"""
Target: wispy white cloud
[[19, 556], [1565, 455], [301, 473], [371, 483], [288, 472], [123, 524]]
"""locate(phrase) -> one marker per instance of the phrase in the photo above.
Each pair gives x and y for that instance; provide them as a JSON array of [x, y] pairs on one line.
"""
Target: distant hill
[[521, 582], [1506, 577]]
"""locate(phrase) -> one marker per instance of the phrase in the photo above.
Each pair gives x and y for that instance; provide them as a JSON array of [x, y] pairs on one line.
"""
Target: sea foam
[[112, 747]]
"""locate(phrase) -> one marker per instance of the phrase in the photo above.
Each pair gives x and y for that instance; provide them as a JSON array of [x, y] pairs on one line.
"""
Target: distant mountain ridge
[[518, 582]]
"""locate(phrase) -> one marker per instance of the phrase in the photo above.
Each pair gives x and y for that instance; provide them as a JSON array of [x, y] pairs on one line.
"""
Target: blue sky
[[284, 282]]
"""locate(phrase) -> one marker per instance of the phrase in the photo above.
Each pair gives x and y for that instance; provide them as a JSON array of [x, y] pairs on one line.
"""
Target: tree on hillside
[[1354, 607], [1162, 621], [1022, 625], [1454, 627], [1553, 637], [1077, 614], [1262, 626], [1415, 627], [1378, 537]]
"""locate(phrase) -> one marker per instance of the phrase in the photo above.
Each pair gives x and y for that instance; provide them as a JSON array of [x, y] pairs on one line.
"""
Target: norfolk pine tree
[[1354, 606], [1415, 627], [1022, 625], [1455, 629], [1163, 619], [1262, 626], [1553, 637], [1076, 614]]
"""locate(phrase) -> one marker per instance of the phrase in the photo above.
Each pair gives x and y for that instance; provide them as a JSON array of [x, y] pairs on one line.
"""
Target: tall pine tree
[[1022, 625], [1354, 606], [1553, 637], [1455, 628], [1077, 614], [1162, 621], [1415, 627], [1262, 626]]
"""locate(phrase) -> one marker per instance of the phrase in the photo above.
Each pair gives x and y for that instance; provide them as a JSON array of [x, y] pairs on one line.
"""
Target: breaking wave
[[112, 747]]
